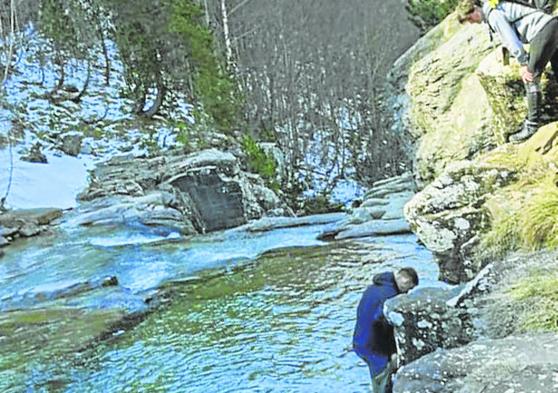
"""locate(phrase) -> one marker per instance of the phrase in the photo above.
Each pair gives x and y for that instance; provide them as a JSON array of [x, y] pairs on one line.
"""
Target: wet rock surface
[[24, 223], [270, 223], [380, 213]]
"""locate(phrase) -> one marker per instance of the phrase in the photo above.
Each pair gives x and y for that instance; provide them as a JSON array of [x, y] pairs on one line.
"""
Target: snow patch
[[34, 185]]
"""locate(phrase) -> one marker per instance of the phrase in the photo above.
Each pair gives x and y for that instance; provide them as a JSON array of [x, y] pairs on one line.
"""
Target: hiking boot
[[534, 109], [528, 129]]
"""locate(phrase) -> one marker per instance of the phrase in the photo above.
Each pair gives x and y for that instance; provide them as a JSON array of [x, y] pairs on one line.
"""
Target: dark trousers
[[381, 383], [544, 48]]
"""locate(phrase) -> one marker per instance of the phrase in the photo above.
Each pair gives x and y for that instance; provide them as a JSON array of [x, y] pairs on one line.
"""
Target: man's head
[[469, 11], [406, 279]]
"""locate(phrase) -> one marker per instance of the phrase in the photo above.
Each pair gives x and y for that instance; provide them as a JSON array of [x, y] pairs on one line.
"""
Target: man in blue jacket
[[373, 339]]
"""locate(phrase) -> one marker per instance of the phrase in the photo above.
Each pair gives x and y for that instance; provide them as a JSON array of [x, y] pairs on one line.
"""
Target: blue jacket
[[373, 338]]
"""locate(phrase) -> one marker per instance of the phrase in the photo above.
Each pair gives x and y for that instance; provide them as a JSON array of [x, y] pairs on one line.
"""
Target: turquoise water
[[277, 322]]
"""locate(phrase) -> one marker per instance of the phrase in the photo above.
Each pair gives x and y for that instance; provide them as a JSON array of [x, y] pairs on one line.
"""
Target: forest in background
[[289, 72]]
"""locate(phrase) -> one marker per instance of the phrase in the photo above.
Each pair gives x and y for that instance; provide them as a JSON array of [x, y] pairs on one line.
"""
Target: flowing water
[[229, 315]]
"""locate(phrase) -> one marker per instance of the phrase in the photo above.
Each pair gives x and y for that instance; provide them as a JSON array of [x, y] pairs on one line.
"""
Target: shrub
[[428, 13], [259, 162]]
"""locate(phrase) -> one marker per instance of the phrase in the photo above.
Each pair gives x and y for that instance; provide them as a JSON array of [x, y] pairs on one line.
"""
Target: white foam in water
[[134, 239]]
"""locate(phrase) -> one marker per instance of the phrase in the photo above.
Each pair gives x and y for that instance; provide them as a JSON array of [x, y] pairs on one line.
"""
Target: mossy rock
[[399, 102], [435, 80], [524, 214], [449, 213], [450, 111], [505, 93]]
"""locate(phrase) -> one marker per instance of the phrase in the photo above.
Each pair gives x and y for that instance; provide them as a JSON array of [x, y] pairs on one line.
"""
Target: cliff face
[[458, 102], [487, 209]]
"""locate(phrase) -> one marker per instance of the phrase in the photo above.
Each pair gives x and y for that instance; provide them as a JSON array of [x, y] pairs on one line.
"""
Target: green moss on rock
[[525, 213]]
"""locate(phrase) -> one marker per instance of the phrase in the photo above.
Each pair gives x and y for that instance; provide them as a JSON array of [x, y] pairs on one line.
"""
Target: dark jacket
[[373, 338]]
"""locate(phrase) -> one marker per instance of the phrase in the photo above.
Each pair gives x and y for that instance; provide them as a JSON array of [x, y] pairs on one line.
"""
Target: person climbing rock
[[517, 24], [373, 338]]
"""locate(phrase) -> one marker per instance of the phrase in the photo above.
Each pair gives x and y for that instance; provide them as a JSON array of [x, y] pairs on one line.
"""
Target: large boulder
[[525, 363], [398, 102], [205, 190], [424, 322], [448, 214], [217, 199]]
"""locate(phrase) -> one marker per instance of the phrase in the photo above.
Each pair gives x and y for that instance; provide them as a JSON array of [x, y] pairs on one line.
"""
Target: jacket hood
[[384, 279]]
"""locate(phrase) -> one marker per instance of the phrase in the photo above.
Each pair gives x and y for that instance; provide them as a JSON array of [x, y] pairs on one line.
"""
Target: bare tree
[[312, 70]]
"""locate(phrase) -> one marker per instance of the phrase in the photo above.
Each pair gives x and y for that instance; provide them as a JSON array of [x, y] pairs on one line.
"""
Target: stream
[[135, 309]]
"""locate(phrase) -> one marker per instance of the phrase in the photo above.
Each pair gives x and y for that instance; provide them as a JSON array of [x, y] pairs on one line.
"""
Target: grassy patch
[[527, 219], [525, 213], [541, 291], [539, 220], [502, 238]]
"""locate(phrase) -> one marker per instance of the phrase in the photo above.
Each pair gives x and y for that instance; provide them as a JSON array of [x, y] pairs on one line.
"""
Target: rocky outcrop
[[460, 104], [200, 192], [380, 213], [398, 101], [448, 215], [441, 333], [424, 322], [461, 216], [480, 198], [16, 224], [525, 363]]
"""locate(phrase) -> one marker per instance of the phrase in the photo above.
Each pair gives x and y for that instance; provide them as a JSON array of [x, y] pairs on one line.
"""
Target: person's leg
[[543, 49], [554, 63], [380, 381]]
